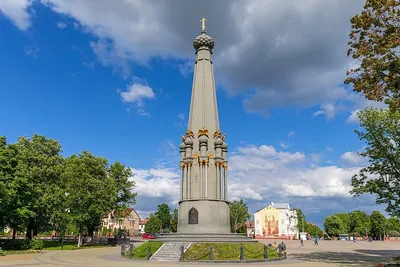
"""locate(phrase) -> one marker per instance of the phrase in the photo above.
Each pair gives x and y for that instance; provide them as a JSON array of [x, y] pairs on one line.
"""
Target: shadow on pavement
[[360, 257]]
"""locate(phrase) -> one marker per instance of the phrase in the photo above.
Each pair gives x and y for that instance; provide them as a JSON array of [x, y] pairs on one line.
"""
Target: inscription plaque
[[193, 216]]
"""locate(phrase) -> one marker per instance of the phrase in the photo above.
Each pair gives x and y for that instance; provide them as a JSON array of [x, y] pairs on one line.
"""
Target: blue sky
[[115, 79]]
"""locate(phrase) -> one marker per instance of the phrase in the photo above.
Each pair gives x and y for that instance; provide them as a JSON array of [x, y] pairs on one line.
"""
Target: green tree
[[121, 174], [344, 217], [333, 225], [301, 220], [378, 224], [382, 136], [374, 43], [38, 170], [393, 226], [91, 193], [239, 214], [163, 214], [360, 222], [153, 224], [174, 221], [313, 230]]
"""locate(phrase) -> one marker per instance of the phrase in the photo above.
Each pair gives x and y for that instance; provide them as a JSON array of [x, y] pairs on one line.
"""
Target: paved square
[[328, 253]]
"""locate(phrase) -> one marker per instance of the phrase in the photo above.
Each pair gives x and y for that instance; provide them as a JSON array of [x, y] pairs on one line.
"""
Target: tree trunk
[[29, 230], [14, 233], [79, 240]]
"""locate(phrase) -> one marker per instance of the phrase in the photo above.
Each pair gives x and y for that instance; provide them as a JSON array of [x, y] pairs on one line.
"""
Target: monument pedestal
[[203, 216]]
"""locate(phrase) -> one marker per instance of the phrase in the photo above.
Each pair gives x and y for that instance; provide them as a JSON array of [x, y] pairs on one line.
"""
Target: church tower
[[203, 205]]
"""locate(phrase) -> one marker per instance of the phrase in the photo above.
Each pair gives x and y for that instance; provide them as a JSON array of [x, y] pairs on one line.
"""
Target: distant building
[[130, 221], [249, 228], [276, 220], [142, 225]]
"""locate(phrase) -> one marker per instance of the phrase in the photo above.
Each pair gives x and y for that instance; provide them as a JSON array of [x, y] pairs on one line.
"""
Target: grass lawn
[[140, 252], [228, 251], [52, 245]]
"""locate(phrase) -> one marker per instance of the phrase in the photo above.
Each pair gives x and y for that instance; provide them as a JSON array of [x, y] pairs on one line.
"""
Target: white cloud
[[291, 134], [31, 51], [181, 116], [16, 11], [328, 109], [136, 93], [315, 157], [284, 145], [351, 158], [61, 25], [142, 112], [329, 149], [276, 70], [353, 118]]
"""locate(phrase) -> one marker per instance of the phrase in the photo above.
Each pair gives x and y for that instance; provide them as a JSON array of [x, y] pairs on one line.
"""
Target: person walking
[[316, 241], [301, 242]]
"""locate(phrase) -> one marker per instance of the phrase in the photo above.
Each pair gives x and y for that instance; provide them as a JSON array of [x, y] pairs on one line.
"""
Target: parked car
[[147, 236]]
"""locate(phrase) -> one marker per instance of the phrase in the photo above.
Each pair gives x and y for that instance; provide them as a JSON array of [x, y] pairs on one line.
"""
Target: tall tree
[[92, 193], [174, 221], [374, 43], [239, 214], [153, 224], [121, 174], [313, 230], [163, 214], [360, 222], [382, 136], [393, 225], [333, 225], [301, 220], [344, 217], [378, 224], [39, 167]]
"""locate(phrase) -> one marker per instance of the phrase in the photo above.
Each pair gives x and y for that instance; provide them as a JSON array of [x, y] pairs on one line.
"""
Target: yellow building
[[276, 220]]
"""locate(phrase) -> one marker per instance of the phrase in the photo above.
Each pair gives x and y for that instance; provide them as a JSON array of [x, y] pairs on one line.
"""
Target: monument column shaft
[[189, 181], [225, 186], [181, 185], [218, 182]]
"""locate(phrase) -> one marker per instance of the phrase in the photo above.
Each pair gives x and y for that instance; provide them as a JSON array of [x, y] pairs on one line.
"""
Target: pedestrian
[[280, 248], [301, 242], [315, 241], [284, 248]]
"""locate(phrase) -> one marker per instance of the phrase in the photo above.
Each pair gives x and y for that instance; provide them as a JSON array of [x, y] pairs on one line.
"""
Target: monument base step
[[205, 238]]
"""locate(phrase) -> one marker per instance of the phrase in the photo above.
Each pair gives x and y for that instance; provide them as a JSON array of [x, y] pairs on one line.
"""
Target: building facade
[[129, 221], [276, 220]]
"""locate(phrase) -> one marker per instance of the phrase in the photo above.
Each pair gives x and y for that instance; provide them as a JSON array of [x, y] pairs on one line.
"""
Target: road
[[328, 253]]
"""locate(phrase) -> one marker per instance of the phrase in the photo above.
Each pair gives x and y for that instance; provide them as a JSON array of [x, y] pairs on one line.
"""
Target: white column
[[218, 177], [181, 185], [184, 183], [189, 181], [206, 170], [225, 186], [201, 181]]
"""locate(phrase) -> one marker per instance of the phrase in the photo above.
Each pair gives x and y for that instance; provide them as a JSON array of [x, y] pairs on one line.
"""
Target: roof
[[249, 224], [280, 205], [143, 222]]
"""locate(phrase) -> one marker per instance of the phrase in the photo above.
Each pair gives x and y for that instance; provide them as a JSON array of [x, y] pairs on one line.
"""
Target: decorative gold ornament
[[225, 166], [195, 155], [181, 166], [189, 133], [203, 131], [223, 137], [211, 155], [217, 134], [206, 162], [182, 138], [203, 24]]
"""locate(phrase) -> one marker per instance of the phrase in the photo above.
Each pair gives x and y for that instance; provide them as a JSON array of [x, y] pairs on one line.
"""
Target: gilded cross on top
[[203, 24]]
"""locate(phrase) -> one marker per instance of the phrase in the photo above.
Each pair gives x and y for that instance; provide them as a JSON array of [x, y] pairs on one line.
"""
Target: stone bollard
[[211, 254], [131, 250], [241, 257], [265, 252], [123, 250], [148, 252]]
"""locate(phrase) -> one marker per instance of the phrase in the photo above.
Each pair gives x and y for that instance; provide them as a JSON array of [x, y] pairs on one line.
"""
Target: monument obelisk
[[203, 205]]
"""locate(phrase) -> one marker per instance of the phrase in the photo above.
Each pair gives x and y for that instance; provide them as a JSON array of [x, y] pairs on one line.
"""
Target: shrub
[[14, 244], [36, 244]]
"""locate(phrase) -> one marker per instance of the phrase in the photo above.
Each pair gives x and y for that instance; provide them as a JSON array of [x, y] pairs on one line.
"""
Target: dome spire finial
[[203, 24]]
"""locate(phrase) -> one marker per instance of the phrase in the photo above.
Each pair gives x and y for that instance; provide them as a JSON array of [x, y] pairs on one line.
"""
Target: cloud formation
[[16, 11], [277, 53]]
